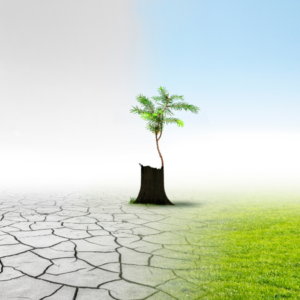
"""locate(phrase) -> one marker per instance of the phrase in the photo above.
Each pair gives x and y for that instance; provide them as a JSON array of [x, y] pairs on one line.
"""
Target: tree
[[152, 186]]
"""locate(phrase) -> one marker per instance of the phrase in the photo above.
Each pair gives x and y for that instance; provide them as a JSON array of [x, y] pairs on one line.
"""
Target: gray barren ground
[[95, 246]]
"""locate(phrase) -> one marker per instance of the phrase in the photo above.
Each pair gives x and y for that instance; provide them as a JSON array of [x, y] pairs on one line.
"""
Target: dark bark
[[152, 189]]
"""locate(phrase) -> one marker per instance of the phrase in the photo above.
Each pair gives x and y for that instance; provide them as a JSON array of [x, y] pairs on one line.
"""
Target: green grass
[[147, 205], [132, 200], [259, 257], [248, 247]]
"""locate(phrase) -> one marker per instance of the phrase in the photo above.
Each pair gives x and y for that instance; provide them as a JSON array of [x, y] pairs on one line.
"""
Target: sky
[[70, 72]]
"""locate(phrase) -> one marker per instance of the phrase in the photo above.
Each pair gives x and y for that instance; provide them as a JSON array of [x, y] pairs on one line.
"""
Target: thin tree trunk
[[162, 161]]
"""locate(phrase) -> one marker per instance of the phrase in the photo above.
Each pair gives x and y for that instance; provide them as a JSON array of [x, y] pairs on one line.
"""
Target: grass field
[[249, 248]]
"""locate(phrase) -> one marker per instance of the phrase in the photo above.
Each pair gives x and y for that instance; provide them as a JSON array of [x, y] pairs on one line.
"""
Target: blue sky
[[70, 72], [239, 60]]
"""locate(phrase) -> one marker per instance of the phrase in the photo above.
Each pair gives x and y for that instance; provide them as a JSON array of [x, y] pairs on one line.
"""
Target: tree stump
[[152, 189]]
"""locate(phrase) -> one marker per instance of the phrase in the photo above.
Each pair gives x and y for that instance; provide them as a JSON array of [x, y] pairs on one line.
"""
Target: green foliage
[[157, 117], [180, 123]]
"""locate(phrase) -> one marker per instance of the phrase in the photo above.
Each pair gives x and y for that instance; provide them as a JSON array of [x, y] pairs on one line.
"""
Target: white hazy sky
[[70, 72]]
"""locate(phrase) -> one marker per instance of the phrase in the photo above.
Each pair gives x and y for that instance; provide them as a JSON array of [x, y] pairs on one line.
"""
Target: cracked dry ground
[[75, 246]]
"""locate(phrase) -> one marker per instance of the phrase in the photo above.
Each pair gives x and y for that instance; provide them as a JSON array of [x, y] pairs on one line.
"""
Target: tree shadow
[[186, 203], [177, 203]]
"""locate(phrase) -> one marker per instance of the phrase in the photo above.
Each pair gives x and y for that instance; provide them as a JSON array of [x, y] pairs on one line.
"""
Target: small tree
[[152, 187]]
